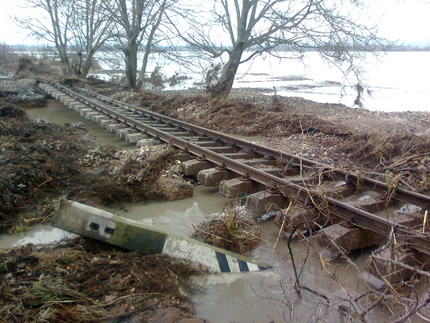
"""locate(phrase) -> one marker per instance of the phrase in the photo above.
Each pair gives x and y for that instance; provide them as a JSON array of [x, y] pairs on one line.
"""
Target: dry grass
[[229, 231], [398, 156]]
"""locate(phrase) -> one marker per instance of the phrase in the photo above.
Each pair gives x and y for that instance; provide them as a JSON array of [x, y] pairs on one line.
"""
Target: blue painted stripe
[[262, 268], [222, 261], [243, 265]]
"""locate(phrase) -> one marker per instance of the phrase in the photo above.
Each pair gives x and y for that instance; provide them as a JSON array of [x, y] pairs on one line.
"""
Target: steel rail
[[401, 194], [351, 214]]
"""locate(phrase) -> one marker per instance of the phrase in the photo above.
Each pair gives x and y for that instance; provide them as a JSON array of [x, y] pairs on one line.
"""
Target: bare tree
[[253, 27], [69, 24], [138, 21], [91, 28]]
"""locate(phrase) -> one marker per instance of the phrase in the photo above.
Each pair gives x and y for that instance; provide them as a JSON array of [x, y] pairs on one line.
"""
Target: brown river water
[[267, 296]]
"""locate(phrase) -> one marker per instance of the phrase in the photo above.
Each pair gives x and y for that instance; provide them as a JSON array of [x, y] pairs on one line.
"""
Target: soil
[[88, 281]]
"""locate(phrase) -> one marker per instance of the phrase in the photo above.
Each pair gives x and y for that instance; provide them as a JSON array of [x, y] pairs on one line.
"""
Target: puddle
[[179, 217], [39, 234], [62, 115]]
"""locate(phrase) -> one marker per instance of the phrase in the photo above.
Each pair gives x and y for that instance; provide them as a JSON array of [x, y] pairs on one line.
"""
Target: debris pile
[[86, 281], [230, 231]]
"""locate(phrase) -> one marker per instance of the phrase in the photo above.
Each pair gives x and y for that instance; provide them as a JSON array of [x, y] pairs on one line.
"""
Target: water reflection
[[61, 115]]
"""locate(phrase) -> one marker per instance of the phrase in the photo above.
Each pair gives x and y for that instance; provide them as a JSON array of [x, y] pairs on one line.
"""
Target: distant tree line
[[227, 31]]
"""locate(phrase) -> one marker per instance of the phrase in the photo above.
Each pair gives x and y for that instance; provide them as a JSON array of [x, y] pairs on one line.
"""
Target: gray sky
[[406, 20]]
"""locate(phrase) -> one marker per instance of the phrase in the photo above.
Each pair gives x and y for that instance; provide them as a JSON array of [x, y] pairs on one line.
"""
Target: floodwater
[[39, 234], [267, 296], [179, 216], [57, 113], [397, 81]]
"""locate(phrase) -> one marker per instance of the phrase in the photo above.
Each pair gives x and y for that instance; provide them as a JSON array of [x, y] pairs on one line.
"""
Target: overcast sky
[[404, 20]]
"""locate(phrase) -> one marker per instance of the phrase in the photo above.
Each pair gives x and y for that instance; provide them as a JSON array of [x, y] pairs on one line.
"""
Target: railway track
[[362, 202]]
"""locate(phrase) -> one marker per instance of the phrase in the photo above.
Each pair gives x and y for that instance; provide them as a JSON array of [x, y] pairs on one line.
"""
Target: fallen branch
[[413, 311], [397, 263], [350, 312], [282, 226], [405, 160]]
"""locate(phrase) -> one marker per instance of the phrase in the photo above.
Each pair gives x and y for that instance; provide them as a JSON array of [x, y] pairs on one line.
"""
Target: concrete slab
[[68, 101], [220, 150], [214, 176], [94, 117], [263, 202], [209, 143], [182, 156], [347, 237], [301, 218], [257, 162], [148, 142], [123, 132], [237, 187], [110, 228], [382, 264], [239, 155], [82, 112], [193, 167], [106, 122], [113, 127], [100, 118], [77, 106], [369, 201], [89, 113], [135, 137]]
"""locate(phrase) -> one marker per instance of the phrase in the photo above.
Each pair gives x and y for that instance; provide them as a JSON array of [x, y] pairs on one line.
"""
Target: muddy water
[[56, 113], [245, 297], [270, 296], [179, 216], [39, 234]]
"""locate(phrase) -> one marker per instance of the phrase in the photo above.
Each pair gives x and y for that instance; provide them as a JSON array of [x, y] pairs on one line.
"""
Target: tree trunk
[[131, 65], [86, 67], [64, 58], [149, 44], [88, 62], [222, 88], [144, 65]]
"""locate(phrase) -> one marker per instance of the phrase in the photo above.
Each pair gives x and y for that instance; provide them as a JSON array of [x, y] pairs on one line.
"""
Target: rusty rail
[[354, 215]]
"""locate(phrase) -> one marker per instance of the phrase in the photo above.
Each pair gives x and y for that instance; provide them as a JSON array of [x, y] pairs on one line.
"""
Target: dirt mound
[[85, 280], [24, 93], [42, 162], [241, 117], [229, 231], [12, 111], [333, 134]]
